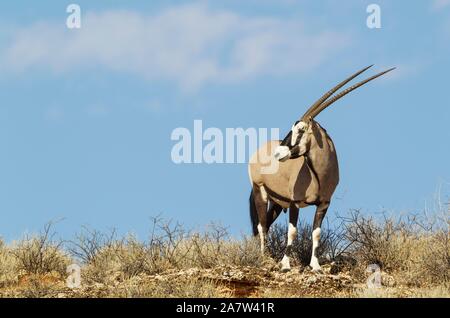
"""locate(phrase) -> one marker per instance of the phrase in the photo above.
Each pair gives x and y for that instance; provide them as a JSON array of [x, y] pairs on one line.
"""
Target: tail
[[253, 214]]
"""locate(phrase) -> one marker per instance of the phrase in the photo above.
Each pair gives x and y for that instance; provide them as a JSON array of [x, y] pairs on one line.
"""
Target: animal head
[[298, 140]]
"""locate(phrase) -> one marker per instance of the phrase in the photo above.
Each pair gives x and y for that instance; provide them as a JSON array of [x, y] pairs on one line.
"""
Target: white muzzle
[[282, 153]]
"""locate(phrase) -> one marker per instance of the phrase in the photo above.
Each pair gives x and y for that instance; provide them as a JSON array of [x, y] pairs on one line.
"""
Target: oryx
[[298, 171]]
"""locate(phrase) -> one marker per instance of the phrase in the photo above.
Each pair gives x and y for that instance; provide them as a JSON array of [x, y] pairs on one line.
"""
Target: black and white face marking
[[289, 147], [298, 129]]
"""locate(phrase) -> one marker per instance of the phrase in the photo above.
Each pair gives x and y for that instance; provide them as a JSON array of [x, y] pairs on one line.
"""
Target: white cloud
[[440, 4], [191, 45]]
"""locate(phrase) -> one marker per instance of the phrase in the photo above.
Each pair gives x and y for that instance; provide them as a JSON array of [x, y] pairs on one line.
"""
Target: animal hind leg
[[260, 197], [292, 233], [273, 213], [318, 218]]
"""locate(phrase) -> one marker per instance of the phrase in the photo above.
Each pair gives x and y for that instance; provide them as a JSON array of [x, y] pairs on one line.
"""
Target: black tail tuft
[[253, 214]]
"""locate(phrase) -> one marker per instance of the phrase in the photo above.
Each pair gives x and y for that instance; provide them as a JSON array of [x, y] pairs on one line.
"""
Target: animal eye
[[300, 130]]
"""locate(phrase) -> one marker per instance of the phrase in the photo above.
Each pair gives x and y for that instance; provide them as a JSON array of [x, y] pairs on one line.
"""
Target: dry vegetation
[[413, 254]]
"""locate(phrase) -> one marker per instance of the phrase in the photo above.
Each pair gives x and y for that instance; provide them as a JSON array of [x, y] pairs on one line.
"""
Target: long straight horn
[[332, 91], [327, 103]]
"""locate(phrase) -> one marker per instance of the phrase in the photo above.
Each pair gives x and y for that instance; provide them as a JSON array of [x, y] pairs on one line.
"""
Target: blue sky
[[86, 115]]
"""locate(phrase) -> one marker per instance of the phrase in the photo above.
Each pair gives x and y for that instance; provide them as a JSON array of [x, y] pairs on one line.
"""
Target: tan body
[[306, 180], [287, 182]]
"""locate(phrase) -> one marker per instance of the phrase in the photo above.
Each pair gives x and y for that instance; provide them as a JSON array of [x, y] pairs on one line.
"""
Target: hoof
[[285, 270], [315, 266]]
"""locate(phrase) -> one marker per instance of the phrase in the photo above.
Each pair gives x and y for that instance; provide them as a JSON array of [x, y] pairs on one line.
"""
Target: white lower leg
[[315, 238], [292, 232], [261, 237]]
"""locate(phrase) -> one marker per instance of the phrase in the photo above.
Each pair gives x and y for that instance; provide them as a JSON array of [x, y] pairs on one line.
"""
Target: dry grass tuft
[[415, 250], [40, 254]]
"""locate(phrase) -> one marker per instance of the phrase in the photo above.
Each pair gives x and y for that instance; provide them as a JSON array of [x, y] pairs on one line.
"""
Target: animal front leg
[[318, 218], [292, 233]]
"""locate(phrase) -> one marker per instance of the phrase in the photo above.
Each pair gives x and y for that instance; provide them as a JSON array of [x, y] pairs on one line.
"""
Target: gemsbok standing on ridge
[[306, 173]]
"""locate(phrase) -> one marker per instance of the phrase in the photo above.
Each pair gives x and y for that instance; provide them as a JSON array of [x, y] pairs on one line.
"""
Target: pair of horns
[[324, 102]]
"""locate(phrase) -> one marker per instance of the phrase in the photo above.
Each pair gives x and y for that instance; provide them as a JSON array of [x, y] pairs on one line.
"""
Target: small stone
[[311, 280]]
